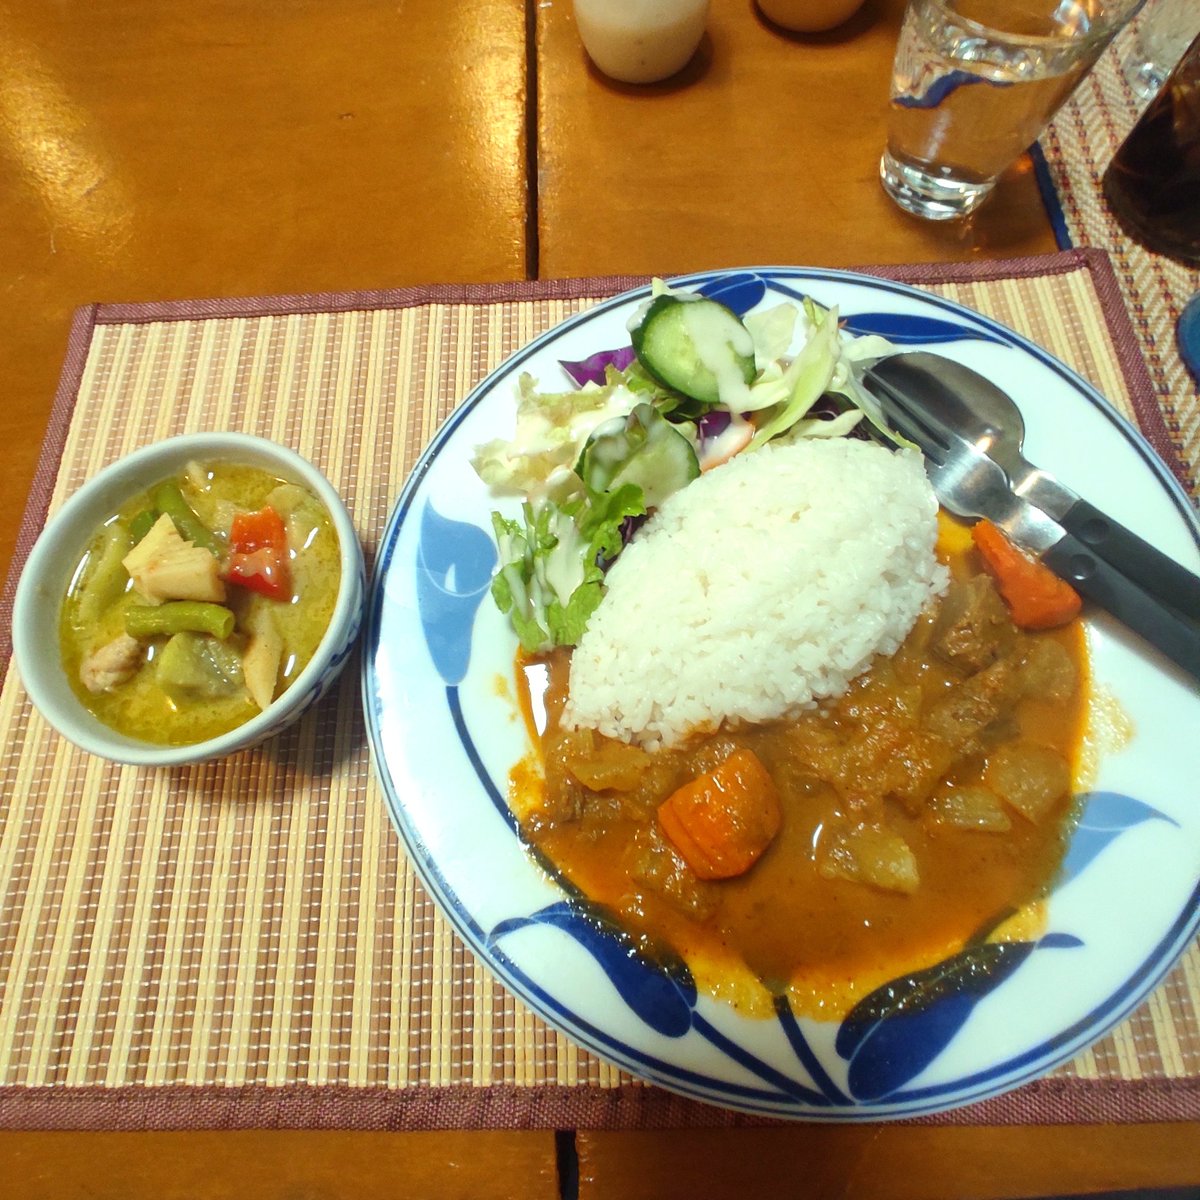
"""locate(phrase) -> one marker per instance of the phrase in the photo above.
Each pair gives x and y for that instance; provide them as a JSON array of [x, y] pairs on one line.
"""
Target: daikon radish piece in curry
[[1032, 778], [868, 853]]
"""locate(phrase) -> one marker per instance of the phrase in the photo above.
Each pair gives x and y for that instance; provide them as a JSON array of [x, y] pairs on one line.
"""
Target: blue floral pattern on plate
[[921, 1043], [742, 292]]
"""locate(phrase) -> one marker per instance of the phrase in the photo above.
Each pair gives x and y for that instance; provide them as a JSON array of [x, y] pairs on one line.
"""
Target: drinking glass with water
[[974, 84]]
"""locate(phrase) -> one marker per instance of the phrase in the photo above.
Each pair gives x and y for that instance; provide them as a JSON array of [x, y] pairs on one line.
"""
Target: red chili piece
[[258, 557]]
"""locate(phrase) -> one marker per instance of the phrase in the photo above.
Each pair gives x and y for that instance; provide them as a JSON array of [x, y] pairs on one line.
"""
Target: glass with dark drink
[[1153, 183]]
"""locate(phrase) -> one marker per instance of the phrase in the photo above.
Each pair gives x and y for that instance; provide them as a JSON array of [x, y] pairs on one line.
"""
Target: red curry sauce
[[928, 803]]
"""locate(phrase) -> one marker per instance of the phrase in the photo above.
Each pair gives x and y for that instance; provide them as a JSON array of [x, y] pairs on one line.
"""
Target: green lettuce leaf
[[550, 579]]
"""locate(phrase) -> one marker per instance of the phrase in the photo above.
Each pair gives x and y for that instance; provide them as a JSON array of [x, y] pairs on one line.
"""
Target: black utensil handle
[[1099, 581], [1154, 571]]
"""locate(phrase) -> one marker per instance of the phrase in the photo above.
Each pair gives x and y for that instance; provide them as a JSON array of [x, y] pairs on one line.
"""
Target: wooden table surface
[[153, 150], [764, 150]]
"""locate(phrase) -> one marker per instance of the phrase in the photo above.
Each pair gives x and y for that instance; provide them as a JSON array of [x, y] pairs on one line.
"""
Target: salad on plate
[[696, 385]]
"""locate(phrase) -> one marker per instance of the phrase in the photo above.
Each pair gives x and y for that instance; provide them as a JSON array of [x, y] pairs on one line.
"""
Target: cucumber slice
[[644, 448], [696, 346]]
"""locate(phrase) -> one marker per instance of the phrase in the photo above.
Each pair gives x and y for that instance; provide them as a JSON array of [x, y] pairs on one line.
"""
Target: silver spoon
[[976, 408]]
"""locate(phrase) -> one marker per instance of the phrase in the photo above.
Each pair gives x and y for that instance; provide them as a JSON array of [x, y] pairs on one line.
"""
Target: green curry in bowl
[[199, 602]]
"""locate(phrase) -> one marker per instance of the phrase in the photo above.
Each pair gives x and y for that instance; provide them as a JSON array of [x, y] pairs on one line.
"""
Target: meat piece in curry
[[923, 805]]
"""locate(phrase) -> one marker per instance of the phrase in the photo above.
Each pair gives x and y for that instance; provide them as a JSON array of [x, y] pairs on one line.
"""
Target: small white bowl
[[55, 556]]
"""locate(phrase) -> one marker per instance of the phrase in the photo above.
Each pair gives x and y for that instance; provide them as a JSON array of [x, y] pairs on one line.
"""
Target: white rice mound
[[761, 588]]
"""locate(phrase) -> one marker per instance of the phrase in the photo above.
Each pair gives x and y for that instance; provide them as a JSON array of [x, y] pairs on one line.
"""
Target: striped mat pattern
[[244, 942]]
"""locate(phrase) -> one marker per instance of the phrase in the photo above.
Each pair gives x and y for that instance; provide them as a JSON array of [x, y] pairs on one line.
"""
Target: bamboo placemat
[[244, 943]]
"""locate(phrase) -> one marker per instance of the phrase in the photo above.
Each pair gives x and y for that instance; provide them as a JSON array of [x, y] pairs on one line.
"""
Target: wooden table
[[764, 150], [152, 150]]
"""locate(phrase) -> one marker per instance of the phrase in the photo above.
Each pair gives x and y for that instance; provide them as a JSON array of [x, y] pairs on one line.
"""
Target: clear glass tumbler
[[974, 84]]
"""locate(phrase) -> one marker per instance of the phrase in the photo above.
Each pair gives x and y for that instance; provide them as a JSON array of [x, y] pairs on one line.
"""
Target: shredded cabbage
[[551, 429]]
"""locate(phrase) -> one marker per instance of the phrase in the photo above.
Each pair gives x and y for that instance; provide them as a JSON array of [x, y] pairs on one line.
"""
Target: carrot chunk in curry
[[723, 820], [1035, 596]]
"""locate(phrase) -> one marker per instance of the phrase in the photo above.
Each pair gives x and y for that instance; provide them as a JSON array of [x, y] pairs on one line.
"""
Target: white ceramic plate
[[444, 738]]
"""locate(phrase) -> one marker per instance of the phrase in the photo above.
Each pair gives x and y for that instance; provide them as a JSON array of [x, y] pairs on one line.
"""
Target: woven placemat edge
[[62, 408], [1051, 1101], [145, 312]]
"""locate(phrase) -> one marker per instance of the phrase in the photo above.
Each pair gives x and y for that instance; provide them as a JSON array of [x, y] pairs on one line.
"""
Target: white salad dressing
[[709, 331]]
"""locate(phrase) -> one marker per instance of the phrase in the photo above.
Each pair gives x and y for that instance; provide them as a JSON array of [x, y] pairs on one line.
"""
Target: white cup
[[641, 41], [809, 16]]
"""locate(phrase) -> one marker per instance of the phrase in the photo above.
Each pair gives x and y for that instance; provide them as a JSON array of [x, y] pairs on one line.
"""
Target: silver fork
[[970, 484], [964, 478]]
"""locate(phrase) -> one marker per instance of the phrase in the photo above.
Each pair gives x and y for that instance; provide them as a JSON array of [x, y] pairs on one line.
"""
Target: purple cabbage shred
[[629, 526], [592, 369], [713, 424]]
